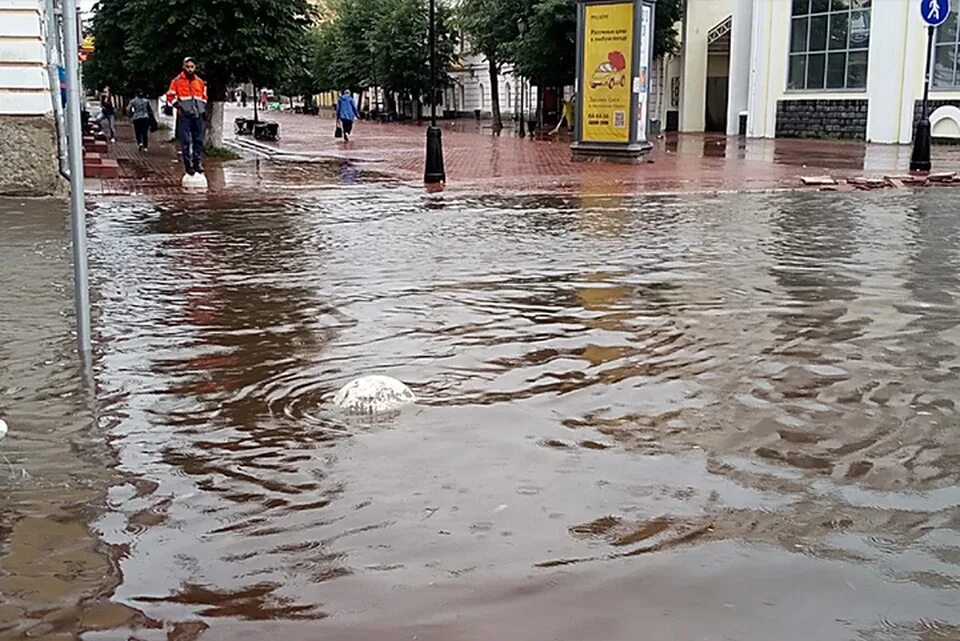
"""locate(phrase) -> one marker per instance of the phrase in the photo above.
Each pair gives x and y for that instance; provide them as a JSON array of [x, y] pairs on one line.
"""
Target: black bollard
[[920, 159], [434, 172]]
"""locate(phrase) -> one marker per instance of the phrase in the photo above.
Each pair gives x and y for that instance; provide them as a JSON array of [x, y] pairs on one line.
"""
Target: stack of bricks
[[96, 164]]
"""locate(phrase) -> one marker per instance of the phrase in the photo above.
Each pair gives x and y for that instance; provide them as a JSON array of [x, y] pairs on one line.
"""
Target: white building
[[471, 90], [28, 152], [849, 69]]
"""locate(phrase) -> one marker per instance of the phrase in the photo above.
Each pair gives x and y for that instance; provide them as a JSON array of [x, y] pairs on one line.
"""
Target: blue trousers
[[191, 140]]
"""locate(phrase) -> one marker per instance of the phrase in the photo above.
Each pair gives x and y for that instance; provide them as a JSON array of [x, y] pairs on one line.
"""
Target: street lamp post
[[522, 29], [920, 158], [434, 173], [934, 13]]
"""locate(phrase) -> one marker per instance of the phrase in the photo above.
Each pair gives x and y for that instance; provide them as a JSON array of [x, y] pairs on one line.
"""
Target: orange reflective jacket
[[189, 96]]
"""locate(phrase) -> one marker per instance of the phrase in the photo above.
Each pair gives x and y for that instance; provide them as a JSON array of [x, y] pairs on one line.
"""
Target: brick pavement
[[476, 160]]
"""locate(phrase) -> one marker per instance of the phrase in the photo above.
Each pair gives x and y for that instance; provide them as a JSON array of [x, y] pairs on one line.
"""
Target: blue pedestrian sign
[[935, 12]]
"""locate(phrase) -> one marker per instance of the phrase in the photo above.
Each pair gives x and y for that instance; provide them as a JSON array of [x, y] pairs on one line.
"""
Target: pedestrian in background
[[568, 114], [108, 114], [243, 98], [144, 120], [346, 113], [188, 93]]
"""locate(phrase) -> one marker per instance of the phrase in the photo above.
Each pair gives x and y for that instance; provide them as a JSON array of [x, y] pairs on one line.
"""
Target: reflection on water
[[714, 417]]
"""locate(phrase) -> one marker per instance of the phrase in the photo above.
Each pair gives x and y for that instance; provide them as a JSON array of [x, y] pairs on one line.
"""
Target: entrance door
[[718, 76], [717, 94]]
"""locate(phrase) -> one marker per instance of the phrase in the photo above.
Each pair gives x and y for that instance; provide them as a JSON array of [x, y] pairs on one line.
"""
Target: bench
[[244, 126], [266, 131]]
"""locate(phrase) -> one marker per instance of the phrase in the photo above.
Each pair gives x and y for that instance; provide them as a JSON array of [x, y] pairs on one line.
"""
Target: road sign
[[935, 12]]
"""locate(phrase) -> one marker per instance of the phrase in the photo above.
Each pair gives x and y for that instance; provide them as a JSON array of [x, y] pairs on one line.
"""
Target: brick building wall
[[818, 118]]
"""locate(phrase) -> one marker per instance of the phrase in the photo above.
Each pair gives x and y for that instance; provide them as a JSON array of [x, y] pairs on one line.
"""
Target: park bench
[[266, 131], [244, 126]]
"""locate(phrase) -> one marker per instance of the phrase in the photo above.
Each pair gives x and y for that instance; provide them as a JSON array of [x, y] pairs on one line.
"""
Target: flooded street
[[677, 418]]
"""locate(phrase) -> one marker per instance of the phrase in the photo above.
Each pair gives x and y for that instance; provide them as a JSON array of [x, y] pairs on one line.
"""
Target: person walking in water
[[108, 114], [188, 93], [346, 113], [143, 118]]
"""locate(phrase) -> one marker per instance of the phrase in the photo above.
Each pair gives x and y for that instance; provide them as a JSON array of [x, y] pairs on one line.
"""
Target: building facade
[[470, 90], [28, 136], [848, 69]]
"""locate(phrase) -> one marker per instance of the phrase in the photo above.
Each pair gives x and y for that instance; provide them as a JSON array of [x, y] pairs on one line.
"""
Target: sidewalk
[[477, 161]]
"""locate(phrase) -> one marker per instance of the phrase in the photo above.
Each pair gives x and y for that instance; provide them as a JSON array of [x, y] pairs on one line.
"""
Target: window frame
[[937, 44], [806, 19]]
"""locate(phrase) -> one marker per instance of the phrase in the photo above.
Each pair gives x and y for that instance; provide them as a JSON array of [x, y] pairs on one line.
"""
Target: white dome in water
[[373, 395], [3, 428]]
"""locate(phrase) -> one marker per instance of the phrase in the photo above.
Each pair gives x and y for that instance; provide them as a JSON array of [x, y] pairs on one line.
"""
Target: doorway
[[718, 92], [718, 77]]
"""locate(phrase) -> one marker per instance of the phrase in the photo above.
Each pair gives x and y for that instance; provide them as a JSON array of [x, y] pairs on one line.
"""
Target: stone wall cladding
[[933, 106], [819, 118], [28, 157]]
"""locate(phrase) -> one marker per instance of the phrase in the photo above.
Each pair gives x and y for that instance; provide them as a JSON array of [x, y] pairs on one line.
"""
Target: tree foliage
[[382, 43], [142, 43], [491, 26], [547, 52], [666, 38]]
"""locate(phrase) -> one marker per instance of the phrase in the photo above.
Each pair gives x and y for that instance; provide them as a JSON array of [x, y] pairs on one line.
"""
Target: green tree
[[143, 42], [402, 57], [490, 27], [546, 53], [382, 43], [666, 38]]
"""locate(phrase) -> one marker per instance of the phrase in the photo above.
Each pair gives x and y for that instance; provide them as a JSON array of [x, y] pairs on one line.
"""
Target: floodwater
[[710, 417]]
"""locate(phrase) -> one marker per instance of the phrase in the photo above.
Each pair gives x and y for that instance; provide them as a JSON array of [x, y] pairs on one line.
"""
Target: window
[[829, 42], [946, 72]]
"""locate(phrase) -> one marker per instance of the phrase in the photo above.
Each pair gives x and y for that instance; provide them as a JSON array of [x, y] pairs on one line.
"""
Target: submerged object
[[3, 429], [196, 181], [373, 395]]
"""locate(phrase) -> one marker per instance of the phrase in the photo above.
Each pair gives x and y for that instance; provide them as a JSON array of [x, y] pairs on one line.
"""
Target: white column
[[887, 67], [912, 66], [741, 38], [757, 90]]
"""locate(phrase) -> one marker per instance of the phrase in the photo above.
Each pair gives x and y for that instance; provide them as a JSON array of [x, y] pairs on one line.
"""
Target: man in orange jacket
[[188, 93]]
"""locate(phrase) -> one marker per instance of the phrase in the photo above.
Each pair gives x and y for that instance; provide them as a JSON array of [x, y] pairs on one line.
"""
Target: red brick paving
[[476, 160]]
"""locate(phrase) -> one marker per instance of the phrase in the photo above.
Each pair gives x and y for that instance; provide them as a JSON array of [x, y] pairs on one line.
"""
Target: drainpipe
[[54, 60]]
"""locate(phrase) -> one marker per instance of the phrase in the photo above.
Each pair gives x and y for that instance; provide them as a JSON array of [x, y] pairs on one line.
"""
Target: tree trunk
[[495, 93], [214, 137], [214, 134]]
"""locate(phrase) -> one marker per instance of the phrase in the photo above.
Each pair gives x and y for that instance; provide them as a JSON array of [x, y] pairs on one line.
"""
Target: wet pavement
[[477, 160], [700, 417]]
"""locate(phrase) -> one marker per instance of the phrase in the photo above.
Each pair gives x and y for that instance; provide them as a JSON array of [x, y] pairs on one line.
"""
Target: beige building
[[850, 69], [28, 137]]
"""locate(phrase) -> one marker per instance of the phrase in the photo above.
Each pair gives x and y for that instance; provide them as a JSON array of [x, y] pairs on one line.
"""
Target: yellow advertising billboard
[[606, 84]]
